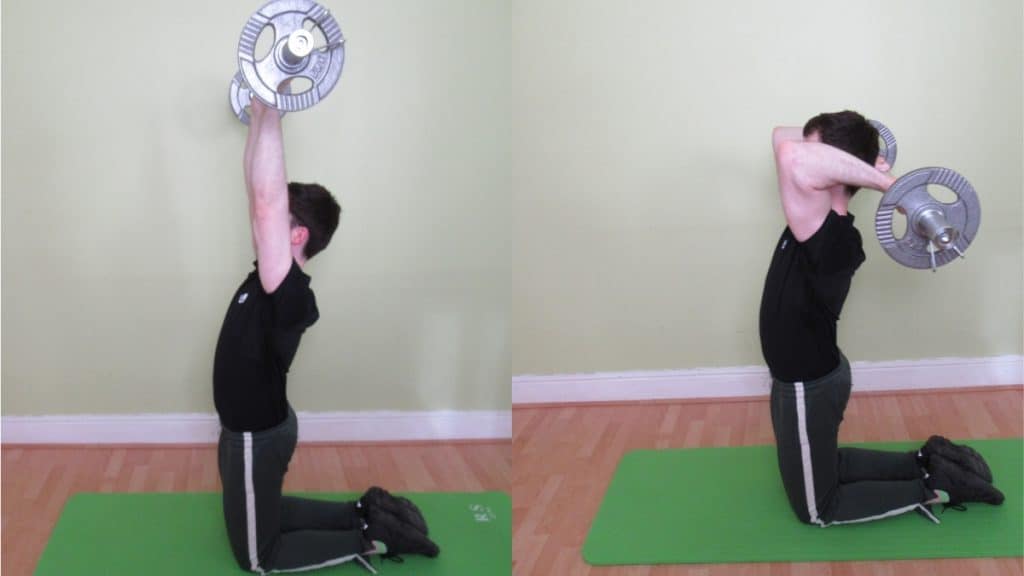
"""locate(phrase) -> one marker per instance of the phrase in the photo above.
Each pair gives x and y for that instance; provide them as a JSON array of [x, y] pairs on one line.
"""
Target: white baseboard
[[204, 428], [754, 381]]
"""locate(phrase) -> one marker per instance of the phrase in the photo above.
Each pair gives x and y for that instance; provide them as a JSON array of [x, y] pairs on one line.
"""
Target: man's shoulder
[[294, 278]]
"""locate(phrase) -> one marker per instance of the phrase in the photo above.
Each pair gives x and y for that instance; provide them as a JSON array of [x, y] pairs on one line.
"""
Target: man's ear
[[300, 234]]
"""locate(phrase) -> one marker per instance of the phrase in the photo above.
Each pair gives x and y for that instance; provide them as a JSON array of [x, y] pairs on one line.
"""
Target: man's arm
[[807, 173], [250, 146], [267, 187], [786, 134]]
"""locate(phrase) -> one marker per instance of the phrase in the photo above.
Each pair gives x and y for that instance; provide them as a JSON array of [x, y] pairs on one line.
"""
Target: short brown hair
[[312, 206], [848, 131]]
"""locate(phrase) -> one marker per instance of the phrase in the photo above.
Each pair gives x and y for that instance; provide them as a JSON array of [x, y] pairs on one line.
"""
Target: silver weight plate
[[889, 151], [240, 97], [322, 66], [910, 193]]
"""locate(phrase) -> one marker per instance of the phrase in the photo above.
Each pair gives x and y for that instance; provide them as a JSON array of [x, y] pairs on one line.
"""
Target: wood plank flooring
[[558, 465], [36, 481], [564, 457]]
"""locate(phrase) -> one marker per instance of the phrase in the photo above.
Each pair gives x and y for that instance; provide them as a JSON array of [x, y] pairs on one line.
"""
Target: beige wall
[[646, 199], [124, 217], [635, 136]]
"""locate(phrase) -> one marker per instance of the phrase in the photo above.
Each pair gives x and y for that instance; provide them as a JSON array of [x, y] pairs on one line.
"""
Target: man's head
[[314, 209], [848, 131]]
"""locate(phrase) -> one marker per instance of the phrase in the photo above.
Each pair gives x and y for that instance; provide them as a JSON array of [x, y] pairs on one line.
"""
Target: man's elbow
[[781, 134], [777, 136], [787, 154], [267, 208], [792, 163]]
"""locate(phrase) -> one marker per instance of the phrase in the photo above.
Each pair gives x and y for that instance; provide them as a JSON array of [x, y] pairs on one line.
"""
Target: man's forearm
[[250, 146], [822, 166], [267, 181]]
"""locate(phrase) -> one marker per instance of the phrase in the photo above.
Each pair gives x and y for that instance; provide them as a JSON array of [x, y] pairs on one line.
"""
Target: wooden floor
[[37, 481], [559, 465], [564, 457]]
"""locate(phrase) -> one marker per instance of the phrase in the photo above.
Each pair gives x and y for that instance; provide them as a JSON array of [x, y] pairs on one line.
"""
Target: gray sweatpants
[[829, 485], [274, 533]]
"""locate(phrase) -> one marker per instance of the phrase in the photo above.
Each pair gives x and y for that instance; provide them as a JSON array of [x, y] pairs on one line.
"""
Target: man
[[820, 167], [264, 323]]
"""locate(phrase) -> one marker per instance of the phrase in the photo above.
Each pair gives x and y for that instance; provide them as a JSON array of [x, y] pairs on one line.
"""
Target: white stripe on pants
[[805, 453], [250, 505]]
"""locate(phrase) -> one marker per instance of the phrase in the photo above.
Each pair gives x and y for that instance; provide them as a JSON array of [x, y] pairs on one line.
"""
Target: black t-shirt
[[804, 292], [257, 342]]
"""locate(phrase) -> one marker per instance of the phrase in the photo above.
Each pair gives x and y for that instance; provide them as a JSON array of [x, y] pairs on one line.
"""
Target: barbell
[[937, 232], [887, 146], [293, 55], [241, 97]]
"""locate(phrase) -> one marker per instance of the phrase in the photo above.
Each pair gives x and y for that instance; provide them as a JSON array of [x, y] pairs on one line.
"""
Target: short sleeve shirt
[[257, 343], [804, 292]]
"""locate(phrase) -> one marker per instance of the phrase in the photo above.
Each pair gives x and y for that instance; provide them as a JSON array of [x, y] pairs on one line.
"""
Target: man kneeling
[[820, 167], [265, 320]]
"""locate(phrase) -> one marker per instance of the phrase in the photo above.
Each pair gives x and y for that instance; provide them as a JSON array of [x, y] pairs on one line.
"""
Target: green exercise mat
[[712, 505], [183, 533]]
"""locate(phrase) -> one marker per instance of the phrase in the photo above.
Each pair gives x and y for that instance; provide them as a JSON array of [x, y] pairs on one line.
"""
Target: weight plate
[[888, 151], [910, 193], [240, 97], [322, 66]]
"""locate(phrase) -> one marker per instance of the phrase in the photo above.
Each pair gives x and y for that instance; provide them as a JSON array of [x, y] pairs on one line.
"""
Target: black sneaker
[[401, 508], [398, 537], [964, 456], [961, 485]]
